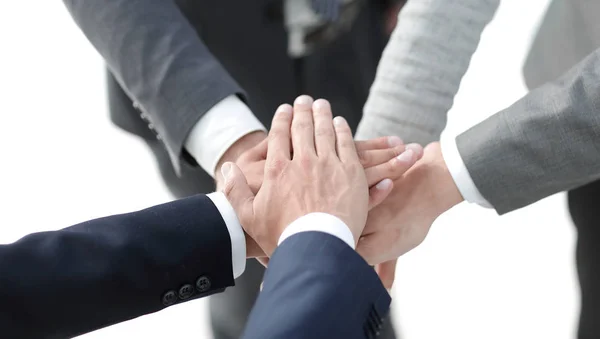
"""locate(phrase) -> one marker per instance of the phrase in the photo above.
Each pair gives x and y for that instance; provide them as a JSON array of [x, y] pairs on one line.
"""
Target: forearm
[[545, 143], [159, 60], [109, 270], [422, 66]]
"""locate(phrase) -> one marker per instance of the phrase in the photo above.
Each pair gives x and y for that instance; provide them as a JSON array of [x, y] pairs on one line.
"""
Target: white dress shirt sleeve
[[460, 173], [320, 222], [218, 129], [236, 233]]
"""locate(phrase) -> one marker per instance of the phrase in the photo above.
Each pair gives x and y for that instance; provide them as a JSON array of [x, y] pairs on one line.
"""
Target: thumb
[[237, 191]]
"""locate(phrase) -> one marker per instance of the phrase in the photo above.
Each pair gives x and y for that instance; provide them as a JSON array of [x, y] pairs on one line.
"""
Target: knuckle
[[274, 168], [346, 142], [302, 125], [228, 188], [324, 132], [306, 161], [389, 168], [275, 132], [396, 151]]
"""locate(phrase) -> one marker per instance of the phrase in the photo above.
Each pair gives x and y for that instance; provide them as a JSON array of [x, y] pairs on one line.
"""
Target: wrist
[[447, 193], [252, 248]]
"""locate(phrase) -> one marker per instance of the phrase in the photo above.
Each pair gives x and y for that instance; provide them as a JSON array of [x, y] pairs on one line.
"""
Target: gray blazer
[[547, 142], [178, 58]]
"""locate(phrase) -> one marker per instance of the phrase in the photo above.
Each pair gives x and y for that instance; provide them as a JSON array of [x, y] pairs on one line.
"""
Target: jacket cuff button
[[203, 284]]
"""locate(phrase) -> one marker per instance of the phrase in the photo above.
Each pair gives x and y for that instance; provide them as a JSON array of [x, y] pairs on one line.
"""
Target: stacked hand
[[309, 163]]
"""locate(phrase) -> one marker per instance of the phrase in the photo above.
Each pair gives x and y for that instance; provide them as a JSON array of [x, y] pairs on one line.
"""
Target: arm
[[64, 283], [336, 295], [422, 66], [545, 143], [316, 285], [159, 60]]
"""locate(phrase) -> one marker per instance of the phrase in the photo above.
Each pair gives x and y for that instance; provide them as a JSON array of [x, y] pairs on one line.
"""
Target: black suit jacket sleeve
[[316, 286], [64, 283], [159, 60]]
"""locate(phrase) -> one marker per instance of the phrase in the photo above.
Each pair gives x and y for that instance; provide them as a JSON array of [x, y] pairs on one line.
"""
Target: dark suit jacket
[[178, 58], [316, 286], [64, 283]]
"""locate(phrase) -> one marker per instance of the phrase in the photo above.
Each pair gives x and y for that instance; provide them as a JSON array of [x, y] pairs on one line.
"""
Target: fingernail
[[284, 109], [303, 100], [384, 185], [394, 141], [338, 121], [226, 170], [406, 156], [416, 148], [321, 104]]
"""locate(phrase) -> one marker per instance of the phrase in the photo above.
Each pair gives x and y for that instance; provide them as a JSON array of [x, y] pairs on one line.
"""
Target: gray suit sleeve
[[547, 142], [422, 67], [159, 60]]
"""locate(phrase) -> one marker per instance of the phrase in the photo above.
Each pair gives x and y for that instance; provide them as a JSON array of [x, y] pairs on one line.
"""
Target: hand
[[385, 157], [323, 175], [252, 164], [402, 221], [249, 150]]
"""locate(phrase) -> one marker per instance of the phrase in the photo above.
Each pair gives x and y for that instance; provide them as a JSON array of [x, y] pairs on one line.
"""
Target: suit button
[[203, 284], [169, 298], [186, 291]]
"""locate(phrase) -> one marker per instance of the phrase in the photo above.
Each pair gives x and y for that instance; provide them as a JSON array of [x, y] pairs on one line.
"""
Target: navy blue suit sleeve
[[64, 283], [316, 286]]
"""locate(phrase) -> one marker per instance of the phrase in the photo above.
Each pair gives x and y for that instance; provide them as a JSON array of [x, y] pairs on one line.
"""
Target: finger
[[378, 143], [303, 136], [263, 261], [344, 143], [259, 152], [256, 176], [370, 158], [392, 169], [387, 273], [379, 192], [278, 148], [418, 149], [238, 193], [324, 133]]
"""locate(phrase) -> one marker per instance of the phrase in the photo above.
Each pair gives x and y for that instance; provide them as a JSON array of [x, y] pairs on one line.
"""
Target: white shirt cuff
[[320, 222], [460, 173], [218, 129], [236, 233]]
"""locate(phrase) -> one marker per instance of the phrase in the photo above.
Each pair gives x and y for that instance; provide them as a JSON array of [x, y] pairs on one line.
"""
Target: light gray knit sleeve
[[422, 66]]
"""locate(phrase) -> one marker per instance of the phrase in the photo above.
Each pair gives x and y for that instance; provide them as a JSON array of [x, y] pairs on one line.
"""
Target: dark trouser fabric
[[583, 205]]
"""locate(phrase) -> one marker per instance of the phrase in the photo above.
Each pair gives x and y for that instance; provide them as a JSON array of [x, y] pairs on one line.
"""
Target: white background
[[477, 275]]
